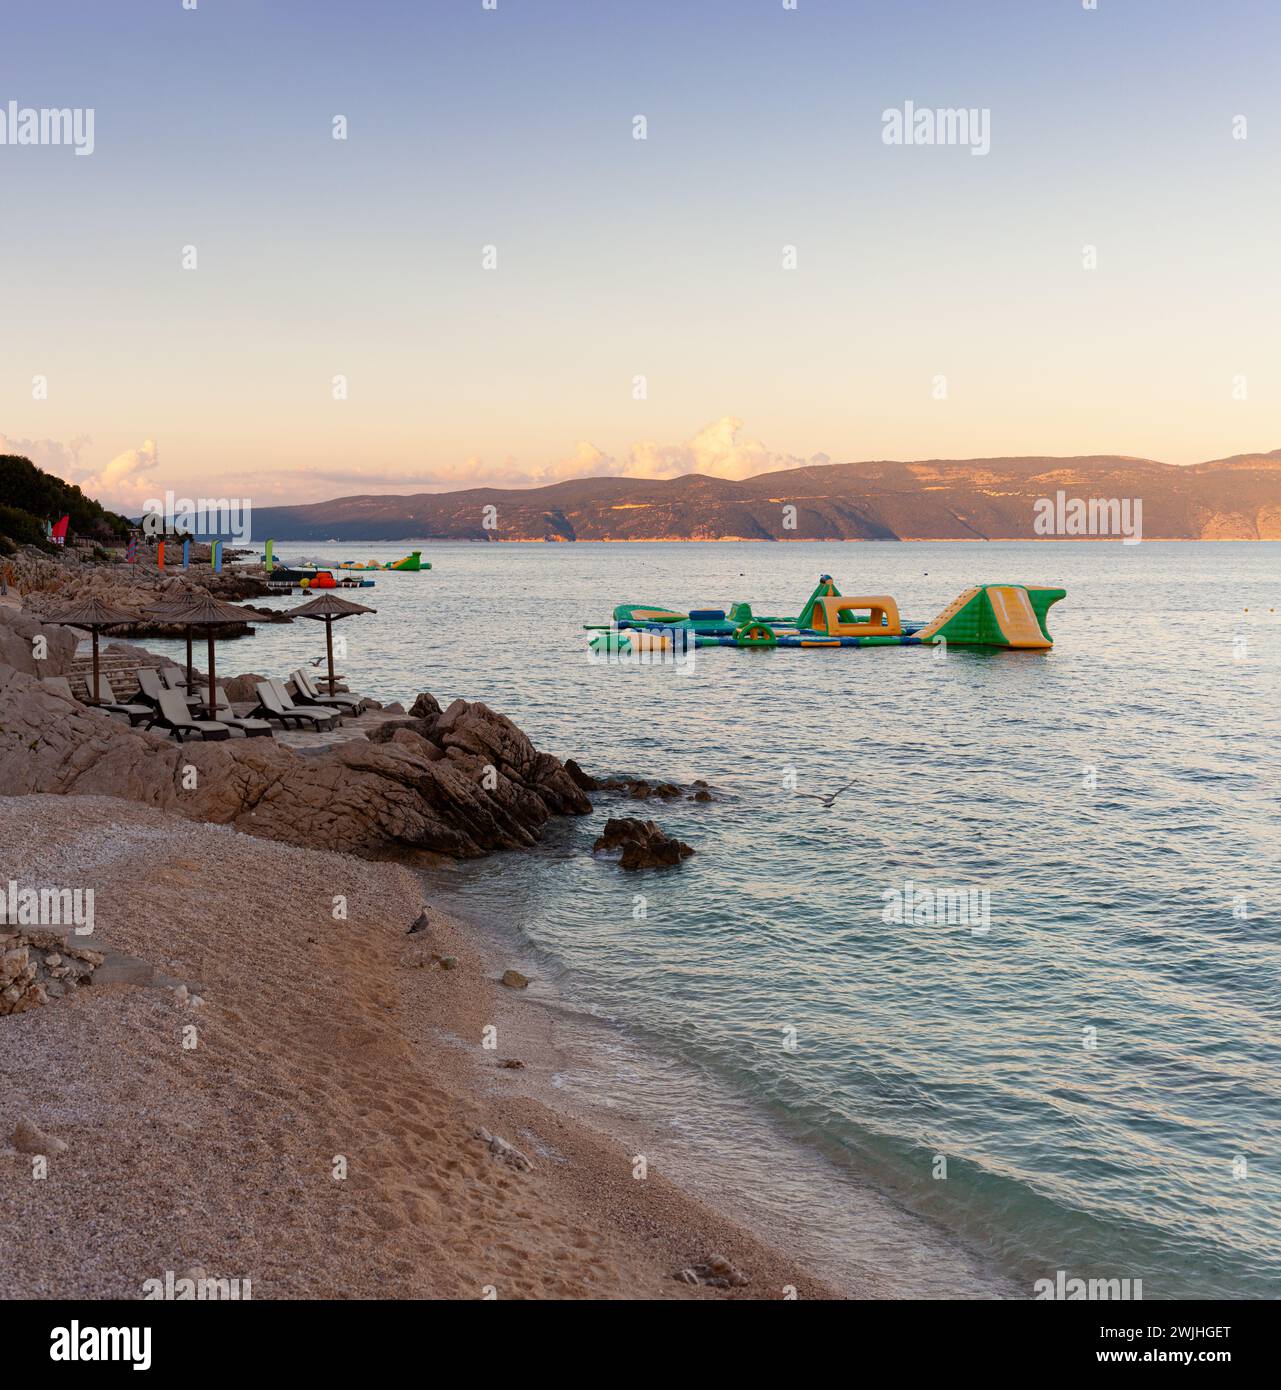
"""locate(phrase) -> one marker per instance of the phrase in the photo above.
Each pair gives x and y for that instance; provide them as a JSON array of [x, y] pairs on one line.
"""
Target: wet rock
[[582, 780], [513, 979], [643, 788], [642, 844]]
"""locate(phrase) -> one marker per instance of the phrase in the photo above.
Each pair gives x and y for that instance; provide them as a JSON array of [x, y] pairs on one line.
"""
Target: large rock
[[478, 785], [642, 843], [17, 648]]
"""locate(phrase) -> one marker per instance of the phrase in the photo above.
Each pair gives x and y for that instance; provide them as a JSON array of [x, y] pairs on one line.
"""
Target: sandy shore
[[319, 1043]]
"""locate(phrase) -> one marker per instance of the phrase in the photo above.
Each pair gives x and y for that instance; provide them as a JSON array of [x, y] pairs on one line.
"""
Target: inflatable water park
[[1010, 616], [312, 574], [412, 561]]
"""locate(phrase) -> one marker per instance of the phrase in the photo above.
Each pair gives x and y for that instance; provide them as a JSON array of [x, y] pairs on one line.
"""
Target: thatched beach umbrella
[[93, 614], [200, 610], [327, 609], [163, 612]]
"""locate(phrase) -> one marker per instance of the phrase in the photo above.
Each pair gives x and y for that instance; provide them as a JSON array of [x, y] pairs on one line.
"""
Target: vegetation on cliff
[[29, 497]]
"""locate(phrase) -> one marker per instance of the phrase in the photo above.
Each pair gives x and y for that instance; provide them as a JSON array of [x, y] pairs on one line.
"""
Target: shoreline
[[724, 1146], [316, 1040]]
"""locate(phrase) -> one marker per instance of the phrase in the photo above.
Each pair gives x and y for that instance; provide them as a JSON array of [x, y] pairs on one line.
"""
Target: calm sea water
[[1099, 1071]]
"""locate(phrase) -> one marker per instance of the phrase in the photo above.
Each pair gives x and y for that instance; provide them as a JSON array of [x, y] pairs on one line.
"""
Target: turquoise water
[[1117, 799]]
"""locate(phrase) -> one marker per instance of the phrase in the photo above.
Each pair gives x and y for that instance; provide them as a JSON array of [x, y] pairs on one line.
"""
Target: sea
[[974, 976]]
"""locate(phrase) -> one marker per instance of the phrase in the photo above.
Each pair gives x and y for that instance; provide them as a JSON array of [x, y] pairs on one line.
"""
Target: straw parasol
[[328, 608], [93, 614], [164, 612], [200, 610]]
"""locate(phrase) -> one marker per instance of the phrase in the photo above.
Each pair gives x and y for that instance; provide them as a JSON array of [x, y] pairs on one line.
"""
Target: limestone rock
[[582, 780], [643, 844], [466, 785], [513, 979]]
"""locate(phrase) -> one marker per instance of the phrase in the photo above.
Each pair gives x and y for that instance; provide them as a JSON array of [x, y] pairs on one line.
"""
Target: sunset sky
[[620, 258]]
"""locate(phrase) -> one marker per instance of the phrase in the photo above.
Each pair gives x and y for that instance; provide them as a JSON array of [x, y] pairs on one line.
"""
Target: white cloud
[[124, 482], [52, 455], [716, 450]]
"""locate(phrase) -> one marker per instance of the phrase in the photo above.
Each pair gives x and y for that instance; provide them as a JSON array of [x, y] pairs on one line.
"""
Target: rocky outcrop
[[638, 788], [49, 585], [474, 785], [18, 648], [643, 844]]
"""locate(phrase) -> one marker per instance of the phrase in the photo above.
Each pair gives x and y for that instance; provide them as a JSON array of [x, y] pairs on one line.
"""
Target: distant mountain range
[[1235, 498]]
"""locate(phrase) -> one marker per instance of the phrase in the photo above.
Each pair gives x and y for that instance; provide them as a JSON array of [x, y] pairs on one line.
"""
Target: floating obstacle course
[[1010, 616], [413, 562]]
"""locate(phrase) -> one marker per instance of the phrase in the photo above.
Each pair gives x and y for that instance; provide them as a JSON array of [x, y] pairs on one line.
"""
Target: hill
[[1236, 498]]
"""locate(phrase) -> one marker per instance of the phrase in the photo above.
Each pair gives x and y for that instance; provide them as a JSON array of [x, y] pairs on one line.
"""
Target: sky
[[760, 282]]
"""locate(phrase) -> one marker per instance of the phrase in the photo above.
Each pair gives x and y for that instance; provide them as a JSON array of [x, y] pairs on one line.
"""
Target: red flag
[[59, 533]]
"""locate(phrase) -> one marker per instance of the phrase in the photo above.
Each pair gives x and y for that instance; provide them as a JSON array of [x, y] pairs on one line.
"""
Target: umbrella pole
[[211, 698], [329, 650], [97, 699], [191, 670]]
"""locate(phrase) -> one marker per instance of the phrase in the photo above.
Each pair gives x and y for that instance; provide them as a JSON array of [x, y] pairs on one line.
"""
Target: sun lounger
[[271, 706], [151, 686], [174, 679], [308, 694], [287, 699], [171, 713], [136, 712], [250, 727]]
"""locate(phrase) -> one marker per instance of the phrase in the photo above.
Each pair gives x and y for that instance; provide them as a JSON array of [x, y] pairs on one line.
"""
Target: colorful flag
[[215, 556], [160, 555], [186, 554], [58, 533], [131, 551]]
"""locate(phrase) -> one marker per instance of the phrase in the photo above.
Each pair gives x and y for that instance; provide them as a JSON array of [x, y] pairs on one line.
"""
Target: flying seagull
[[826, 800]]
